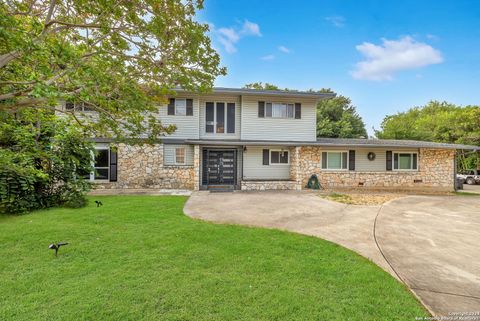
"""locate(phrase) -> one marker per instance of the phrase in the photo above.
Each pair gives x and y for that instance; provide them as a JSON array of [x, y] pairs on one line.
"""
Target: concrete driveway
[[432, 242]]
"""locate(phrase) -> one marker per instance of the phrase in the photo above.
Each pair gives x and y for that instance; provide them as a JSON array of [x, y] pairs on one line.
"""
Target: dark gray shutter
[[324, 160], [171, 107], [204, 167], [230, 118], [266, 157], [189, 107], [389, 160], [298, 110], [113, 165], [261, 109], [395, 161], [351, 160], [414, 161]]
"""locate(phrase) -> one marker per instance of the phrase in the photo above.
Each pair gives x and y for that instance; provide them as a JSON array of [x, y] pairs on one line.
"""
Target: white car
[[471, 176]]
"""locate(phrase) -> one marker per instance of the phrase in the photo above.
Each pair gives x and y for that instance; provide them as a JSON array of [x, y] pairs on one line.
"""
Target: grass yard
[[140, 258]]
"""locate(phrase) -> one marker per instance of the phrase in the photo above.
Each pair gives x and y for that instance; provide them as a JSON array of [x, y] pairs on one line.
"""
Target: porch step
[[221, 188]]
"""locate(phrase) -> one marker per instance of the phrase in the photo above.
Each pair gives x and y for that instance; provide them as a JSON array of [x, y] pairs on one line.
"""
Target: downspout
[[455, 171]]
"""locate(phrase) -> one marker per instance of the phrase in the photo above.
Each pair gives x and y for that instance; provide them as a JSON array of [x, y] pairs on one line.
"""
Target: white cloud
[[337, 21], [381, 62], [284, 49], [268, 57], [250, 29], [229, 37]]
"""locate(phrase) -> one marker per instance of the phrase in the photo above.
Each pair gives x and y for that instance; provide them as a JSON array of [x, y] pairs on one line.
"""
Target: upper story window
[[279, 110], [78, 106], [180, 107], [335, 160], [405, 161], [219, 118]]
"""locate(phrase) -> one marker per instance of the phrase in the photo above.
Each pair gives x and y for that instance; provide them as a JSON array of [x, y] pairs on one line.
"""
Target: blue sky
[[386, 56]]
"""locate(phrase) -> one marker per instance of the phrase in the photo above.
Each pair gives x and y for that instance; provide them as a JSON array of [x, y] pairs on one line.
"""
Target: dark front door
[[219, 166]]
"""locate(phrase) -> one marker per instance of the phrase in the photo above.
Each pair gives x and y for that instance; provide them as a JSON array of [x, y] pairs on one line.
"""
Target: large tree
[[437, 122], [338, 118], [121, 57]]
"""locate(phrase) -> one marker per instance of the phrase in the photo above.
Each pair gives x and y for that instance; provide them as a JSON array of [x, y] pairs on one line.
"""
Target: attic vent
[[418, 180]]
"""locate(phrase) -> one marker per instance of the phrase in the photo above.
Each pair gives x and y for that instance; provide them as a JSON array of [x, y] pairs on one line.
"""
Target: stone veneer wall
[[141, 166], [436, 171]]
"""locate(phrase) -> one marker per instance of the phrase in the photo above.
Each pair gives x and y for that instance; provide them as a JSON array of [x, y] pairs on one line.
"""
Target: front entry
[[219, 167]]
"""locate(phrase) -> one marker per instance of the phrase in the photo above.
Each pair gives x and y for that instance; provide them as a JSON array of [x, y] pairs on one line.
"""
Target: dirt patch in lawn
[[360, 198]]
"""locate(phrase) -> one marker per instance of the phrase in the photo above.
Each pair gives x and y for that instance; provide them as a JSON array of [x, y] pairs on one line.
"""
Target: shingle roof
[[284, 93], [332, 142], [358, 142]]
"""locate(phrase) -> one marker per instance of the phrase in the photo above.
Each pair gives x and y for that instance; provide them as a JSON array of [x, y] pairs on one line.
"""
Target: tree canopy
[[338, 118], [261, 86], [437, 122], [119, 57]]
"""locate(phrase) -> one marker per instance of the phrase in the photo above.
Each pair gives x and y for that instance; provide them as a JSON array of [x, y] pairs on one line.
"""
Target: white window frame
[[404, 170], [92, 174], [280, 151], [78, 107], [341, 160], [279, 103], [175, 106], [225, 129], [184, 156]]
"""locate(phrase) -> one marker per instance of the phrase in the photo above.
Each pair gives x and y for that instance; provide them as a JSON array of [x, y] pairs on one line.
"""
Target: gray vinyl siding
[[187, 126], [169, 154], [286, 129], [363, 164], [253, 167], [223, 99]]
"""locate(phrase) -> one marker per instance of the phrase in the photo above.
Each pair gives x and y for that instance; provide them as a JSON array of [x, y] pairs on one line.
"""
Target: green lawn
[[141, 258]]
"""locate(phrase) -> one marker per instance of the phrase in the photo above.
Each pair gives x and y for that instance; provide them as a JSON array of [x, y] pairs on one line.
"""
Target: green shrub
[[43, 160]]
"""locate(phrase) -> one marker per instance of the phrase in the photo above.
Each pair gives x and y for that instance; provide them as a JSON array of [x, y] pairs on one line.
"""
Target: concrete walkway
[[431, 242]]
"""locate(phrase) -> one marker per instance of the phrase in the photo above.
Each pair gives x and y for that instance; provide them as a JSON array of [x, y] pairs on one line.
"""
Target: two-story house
[[261, 139]]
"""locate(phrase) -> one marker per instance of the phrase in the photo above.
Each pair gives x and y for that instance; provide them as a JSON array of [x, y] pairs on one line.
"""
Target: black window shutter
[[266, 157], [171, 107], [298, 110], [113, 165], [189, 107], [230, 118], [261, 109], [395, 161], [414, 161], [351, 160], [324, 160], [205, 167], [389, 160]]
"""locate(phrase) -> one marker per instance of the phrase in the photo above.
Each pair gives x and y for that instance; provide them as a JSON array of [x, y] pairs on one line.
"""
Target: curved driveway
[[433, 243]]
